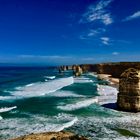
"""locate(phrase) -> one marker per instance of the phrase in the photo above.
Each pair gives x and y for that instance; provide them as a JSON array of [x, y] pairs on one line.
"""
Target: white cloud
[[105, 40], [134, 16], [115, 53], [91, 33], [98, 12]]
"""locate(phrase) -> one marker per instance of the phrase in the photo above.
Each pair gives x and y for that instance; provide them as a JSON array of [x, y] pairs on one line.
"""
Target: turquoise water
[[39, 100]]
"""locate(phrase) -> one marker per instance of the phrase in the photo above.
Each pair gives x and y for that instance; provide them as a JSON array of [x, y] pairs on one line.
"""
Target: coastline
[[108, 95], [114, 82]]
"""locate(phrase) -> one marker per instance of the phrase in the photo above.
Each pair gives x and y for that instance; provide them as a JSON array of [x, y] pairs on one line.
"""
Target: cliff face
[[116, 69], [129, 90], [77, 70]]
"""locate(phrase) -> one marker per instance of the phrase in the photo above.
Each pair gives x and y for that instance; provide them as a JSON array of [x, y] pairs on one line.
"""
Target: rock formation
[[52, 136], [77, 70], [129, 90]]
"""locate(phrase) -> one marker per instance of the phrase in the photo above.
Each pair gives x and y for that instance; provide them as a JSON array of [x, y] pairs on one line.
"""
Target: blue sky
[[69, 31]]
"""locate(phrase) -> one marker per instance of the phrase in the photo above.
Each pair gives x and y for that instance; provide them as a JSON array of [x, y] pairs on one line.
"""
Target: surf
[[50, 77], [67, 125], [6, 109], [40, 88], [78, 105]]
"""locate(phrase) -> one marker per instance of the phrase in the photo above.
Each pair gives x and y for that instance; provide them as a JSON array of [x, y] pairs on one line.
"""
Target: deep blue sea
[[39, 99]]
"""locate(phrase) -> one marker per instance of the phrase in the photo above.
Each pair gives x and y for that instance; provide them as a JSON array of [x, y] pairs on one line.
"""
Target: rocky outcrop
[[129, 90], [77, 70], [52, 136]]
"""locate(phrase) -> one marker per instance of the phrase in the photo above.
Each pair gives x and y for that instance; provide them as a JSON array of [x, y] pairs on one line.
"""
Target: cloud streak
[[115, 53], [98, 12], [133, 16], [105, 40]]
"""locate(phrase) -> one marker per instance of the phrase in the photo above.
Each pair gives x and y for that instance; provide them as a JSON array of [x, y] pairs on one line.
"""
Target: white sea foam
[[107, 94], [35, 124], [6, 109], [62, 93], [50, 77], [67, 125], [42, 88], [20, 87], [103, 128], [30, 85], [82, 80], [1, 118], [78, 105]]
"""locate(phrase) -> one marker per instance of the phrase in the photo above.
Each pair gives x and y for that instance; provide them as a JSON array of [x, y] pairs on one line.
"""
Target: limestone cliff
[[129, 90], [77, 70]]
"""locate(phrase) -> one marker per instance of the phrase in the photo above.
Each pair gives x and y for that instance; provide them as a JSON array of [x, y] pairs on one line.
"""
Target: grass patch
[[125, 132]]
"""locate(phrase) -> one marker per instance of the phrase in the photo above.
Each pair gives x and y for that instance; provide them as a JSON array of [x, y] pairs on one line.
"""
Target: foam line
[[42, 88], [67, 125], [6, 109], [78, 105]]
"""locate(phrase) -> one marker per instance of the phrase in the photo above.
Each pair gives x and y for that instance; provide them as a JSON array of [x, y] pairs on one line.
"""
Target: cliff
[[114, 69], [129, 90]]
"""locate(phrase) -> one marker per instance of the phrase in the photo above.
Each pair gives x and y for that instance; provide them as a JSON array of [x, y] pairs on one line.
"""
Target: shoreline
[[114, 82]]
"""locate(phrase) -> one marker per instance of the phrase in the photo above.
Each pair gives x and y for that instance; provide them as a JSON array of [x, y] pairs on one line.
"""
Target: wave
[[1, 118], [67, 125], [65, 94], [107, 94], [6, 109], [41, 88], [106, 90], [50, 77], [35, 124], [78, 105], [30, 85], [82, 80]]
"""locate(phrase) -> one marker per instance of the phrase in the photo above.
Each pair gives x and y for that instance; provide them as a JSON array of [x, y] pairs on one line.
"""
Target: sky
[[55, 32]]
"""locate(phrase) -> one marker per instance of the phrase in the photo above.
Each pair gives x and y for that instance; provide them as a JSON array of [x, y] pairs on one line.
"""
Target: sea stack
[[77, 70], [129, 90]]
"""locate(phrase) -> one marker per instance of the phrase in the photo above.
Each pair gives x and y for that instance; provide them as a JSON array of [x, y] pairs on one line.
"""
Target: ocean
[[39, 99]]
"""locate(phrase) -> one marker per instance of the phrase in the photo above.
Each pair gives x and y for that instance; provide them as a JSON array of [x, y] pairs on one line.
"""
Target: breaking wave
[[1, 118], [40, 89], [82, 80], [62, 93], [67, 125], [6, 109], [35, 124], [107, 94], [50, 77], [78, 105]]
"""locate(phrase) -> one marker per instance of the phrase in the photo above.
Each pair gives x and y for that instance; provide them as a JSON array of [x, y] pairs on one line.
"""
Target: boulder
[[129, 90]]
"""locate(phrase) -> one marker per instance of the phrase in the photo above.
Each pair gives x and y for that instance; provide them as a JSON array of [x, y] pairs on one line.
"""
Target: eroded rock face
[[129, 90], [52, 136], [77, 70]]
